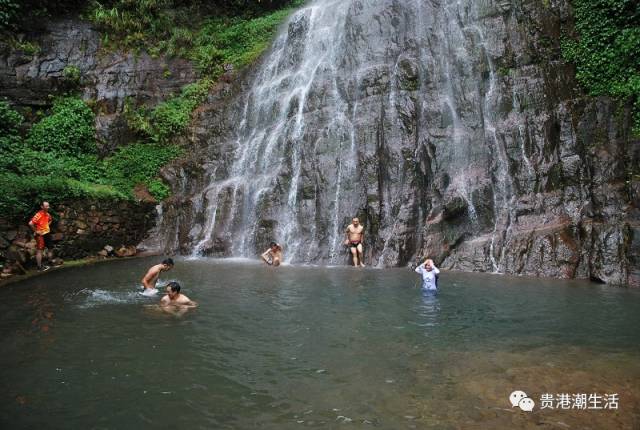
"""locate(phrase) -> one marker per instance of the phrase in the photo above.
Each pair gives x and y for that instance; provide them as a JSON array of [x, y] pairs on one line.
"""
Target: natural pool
[[314, 347]]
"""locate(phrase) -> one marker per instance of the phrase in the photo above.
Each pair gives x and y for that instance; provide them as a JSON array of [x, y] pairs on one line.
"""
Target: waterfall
[[332, 124]]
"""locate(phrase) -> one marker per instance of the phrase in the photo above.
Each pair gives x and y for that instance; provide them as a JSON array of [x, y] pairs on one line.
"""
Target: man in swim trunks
[[151, 278], [273, 255], [354, 239], [40, 226], [175, 298], [429, 273]]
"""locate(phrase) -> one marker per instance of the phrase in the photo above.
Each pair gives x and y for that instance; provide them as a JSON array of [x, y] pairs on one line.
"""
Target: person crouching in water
[[174, 302], [273, 255], [150, 279], [429, 273], [175, 298]]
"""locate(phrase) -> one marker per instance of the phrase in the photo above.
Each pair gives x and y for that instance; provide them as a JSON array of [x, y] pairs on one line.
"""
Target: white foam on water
[[100, 297], [149, 292]]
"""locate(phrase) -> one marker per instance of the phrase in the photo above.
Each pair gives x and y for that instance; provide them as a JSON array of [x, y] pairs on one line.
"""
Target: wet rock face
[[107, 79], [452, 129]]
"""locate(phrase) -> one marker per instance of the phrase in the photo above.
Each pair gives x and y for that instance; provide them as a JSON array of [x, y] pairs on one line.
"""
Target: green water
[[304, 347]]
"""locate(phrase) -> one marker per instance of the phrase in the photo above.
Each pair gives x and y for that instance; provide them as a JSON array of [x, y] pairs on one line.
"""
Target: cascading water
[[399, 112], [334, 98]]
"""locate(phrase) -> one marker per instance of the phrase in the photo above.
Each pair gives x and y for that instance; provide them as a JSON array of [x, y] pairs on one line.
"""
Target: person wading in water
[[429, 273]]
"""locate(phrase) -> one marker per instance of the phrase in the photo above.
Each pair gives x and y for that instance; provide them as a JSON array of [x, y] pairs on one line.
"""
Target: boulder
[[15, 253], [56, 261], [130, 251]]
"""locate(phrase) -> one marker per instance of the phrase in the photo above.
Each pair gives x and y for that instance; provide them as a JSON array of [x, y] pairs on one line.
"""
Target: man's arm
[[186, 301], [165, 301], [264, 256], [32, 224]]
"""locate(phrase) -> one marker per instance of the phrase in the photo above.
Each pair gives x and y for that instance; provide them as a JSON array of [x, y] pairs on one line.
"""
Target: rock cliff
[[454, 129], [105, 78]]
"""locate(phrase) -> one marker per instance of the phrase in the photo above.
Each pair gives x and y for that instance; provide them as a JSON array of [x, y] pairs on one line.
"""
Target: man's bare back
[[150, 279]]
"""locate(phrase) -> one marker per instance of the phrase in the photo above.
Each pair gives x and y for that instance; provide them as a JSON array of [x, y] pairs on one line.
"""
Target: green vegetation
[[213, 45], [170, 117], [169, 26], [607, 50], [57, 160], [57, 157], [71, 74], [8, 12], [68, 130]]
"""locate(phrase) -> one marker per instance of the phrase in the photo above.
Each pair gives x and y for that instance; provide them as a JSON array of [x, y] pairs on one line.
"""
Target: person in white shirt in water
[[429, 273]]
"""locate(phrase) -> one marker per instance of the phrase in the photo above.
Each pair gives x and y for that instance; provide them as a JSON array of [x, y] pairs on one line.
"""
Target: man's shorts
[[43, 241]]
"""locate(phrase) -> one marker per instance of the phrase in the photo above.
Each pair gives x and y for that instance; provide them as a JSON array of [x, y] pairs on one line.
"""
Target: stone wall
[[81, 229]]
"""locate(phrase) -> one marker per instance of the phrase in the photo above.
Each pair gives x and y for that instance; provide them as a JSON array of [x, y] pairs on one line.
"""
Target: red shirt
[[41, 221]]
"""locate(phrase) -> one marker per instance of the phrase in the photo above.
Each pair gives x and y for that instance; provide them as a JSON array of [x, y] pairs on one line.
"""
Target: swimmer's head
[[275, 246], [172, 289], [168, 264], [428, 264], [355, 221]]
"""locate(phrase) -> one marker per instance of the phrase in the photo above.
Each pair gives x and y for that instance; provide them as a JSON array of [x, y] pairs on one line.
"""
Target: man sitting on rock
[[40, 225], [151, 278]]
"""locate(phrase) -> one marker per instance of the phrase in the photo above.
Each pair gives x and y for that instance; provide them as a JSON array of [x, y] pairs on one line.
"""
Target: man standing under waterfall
[[354, 240]]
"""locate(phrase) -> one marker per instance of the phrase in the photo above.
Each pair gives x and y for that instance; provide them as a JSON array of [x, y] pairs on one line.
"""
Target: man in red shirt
[[40, 226]]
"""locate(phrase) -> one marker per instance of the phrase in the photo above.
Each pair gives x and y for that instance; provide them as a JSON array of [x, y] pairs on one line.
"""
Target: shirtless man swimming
[[354, 239], [175, 298], [151, 278], [273, 255], [174, 302]]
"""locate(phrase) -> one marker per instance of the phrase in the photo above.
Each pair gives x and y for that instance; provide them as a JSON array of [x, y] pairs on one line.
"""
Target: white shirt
[[428, 277]]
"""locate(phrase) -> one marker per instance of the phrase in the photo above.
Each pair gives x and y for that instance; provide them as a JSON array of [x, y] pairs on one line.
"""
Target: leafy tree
[[606, 51]]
